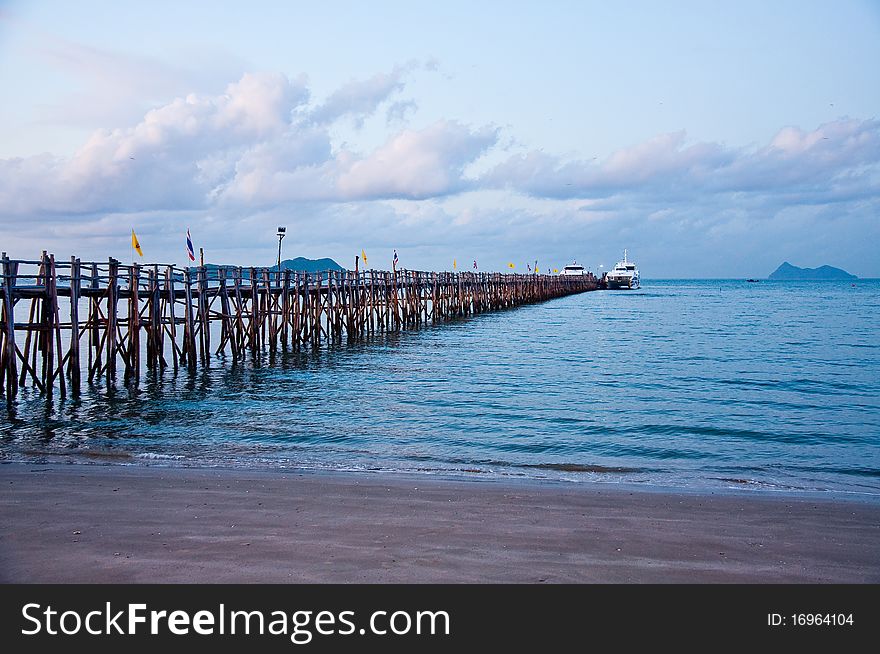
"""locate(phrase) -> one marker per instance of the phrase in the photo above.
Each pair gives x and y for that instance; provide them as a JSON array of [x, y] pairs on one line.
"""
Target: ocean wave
[[152, 456], [579, 467]]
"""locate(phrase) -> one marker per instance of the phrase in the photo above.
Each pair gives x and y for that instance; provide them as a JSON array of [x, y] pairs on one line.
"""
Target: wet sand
[[81, 523]]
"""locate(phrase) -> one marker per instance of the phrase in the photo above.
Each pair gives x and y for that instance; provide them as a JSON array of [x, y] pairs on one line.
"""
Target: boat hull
[[622, 284]]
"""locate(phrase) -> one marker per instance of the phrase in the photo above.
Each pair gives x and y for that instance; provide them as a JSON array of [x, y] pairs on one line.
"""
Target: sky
[[709, 139]]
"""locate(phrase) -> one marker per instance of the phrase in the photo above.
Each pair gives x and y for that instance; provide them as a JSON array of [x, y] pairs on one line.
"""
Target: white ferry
[[573, 269], [624, 275]]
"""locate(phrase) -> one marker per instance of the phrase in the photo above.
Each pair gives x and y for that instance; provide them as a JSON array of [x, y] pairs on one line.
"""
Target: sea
[[690, 384]]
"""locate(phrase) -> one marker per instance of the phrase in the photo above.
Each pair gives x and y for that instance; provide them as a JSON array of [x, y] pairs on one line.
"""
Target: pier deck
[[77, 319]]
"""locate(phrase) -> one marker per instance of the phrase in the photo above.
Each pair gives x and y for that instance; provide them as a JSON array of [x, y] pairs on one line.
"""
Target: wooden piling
[[111, 332], [10, 350], [73, 361]]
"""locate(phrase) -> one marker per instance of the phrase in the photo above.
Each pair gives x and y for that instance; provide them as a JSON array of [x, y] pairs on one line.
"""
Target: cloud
[[830, 155], [663, 159], [837, 159], [112, 88], [301, 166], [259, 144], [165, 161], [396, 113], [418, 164], [253, 146], [359, 99], [297, 166]]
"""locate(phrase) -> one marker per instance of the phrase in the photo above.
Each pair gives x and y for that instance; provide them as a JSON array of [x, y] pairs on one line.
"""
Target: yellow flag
[[364, 257], [135, 244], [510, 265], [556, 270], [454, 264]]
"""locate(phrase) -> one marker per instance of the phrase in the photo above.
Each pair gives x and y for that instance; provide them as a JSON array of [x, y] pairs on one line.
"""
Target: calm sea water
[[700, 384]]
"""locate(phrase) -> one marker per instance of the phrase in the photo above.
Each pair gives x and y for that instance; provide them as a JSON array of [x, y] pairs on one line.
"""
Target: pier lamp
[[282, 231]]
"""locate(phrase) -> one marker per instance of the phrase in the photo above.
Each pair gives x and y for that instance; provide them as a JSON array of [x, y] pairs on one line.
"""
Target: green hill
[[309, 265], [789, 273], [300, 263]]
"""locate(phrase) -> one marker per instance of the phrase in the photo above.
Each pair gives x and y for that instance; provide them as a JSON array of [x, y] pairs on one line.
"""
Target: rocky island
[[789, 273]]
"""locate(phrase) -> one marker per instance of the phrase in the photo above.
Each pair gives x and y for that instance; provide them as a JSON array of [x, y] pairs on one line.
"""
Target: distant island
[[309, 265], [300, 263], [788, 273]]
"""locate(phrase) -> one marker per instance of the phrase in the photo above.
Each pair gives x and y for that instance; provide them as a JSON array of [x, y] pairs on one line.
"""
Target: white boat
[[624, 275], [574, 269]]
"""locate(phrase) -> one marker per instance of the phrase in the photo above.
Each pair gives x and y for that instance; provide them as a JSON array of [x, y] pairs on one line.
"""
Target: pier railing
[[63, 320]]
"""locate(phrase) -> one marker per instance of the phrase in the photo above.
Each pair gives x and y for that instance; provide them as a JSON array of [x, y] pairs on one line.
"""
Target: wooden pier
[[63, 321]]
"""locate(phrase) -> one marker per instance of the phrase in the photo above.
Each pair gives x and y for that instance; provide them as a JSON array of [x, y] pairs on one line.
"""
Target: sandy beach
[[89, 523]]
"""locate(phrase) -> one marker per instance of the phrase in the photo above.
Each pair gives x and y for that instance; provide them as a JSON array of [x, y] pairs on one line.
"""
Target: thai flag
[[395, 258], [189, 247], [475, 264]]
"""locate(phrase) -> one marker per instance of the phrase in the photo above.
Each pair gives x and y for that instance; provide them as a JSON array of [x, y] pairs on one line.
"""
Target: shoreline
[[148, 524], [605, 477]]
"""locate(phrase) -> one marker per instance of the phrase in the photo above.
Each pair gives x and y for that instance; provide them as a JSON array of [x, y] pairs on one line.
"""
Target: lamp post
[[282, 231]]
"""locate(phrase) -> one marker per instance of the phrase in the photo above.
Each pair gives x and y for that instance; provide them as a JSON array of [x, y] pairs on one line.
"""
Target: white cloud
[[396, 114], [111, 88], [158, 162], [418, 164], [359, 99], [254, 145], [297, 166], [825, 159], [831, 160], [301, 167]]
